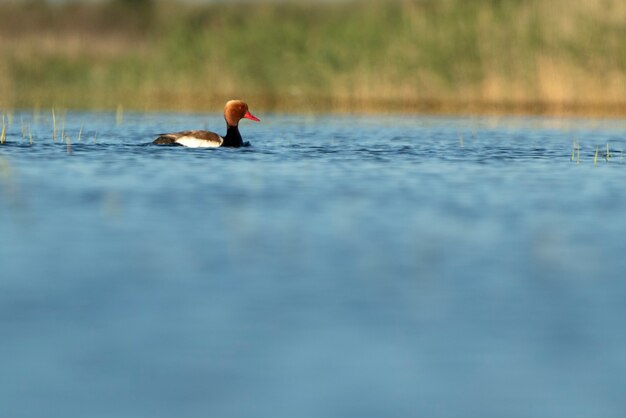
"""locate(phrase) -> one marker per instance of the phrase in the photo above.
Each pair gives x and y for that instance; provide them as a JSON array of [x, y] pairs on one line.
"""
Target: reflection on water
[[342, 266]]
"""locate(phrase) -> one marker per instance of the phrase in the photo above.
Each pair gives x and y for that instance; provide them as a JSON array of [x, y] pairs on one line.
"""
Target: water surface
[[340, 267]]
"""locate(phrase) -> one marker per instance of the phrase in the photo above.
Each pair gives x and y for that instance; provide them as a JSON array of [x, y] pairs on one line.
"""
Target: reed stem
[[63, 128], [54, 126], [119, 115], [4, 131]]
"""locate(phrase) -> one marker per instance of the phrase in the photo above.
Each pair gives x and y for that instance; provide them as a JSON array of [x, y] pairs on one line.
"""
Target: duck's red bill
[[250, 116]]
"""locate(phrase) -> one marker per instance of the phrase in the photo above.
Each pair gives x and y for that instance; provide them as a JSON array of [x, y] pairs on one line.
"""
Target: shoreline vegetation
[[562, 57]]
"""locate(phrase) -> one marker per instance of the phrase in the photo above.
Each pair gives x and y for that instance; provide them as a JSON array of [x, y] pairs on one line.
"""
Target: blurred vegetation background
[[557, 56]]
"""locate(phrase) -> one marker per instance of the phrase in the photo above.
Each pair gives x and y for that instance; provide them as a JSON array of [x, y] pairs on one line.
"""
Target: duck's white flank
[[193, 142]]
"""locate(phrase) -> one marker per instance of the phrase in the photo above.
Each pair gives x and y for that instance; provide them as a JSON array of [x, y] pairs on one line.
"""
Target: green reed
[[434, 55]]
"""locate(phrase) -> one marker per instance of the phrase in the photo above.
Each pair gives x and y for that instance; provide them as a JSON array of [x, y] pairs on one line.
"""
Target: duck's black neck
[[233, 137]]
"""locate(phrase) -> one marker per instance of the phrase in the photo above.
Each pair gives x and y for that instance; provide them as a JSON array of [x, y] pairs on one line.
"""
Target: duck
[[234, 111]]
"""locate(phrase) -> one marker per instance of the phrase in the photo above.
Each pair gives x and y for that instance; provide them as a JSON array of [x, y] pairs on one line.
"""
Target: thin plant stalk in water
[[3, 135], [63, 129], [574, 146], [54, 126], [119, 115]]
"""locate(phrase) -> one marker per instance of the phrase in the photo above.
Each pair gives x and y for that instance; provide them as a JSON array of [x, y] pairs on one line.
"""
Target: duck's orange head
[[235, 110]]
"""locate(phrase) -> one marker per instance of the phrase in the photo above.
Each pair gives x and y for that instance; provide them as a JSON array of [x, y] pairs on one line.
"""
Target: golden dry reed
[[3, 133]]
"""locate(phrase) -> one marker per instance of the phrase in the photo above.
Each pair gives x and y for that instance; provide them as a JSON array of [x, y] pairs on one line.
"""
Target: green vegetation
[[429, 55]]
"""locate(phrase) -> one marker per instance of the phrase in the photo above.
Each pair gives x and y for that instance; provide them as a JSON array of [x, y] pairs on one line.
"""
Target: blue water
[[340, 267]]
